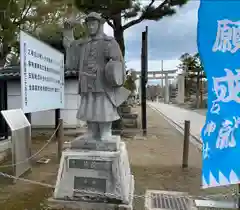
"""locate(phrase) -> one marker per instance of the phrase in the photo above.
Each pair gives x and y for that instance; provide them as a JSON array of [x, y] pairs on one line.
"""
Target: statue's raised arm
[[68, 36], [69, 42]]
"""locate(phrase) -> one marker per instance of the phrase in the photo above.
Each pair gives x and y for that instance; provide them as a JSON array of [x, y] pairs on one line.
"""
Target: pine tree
[[137, 13], [29, 15]]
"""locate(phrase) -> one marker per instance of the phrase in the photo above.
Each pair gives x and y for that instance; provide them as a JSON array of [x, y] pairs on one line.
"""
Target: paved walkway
[[176, 116]]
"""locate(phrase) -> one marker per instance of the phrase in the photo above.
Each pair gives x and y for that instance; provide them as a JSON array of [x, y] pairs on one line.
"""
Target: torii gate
[[161, 75]]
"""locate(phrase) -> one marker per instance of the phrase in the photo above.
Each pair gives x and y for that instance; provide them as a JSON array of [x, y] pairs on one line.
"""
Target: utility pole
[[144, 76]]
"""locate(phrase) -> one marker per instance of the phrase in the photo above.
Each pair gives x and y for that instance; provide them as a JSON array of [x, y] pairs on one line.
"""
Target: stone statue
[[101, 67]]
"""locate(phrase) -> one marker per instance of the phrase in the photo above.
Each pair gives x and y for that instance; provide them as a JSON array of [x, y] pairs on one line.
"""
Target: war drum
[[114, 73]]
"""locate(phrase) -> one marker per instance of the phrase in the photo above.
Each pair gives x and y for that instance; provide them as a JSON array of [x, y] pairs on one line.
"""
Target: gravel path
[[156, 161]]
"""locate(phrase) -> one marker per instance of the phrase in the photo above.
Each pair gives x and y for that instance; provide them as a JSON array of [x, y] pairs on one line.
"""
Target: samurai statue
[[101, 68]]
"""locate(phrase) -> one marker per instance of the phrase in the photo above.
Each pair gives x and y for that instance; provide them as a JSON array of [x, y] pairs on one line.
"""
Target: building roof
[[13, 72]]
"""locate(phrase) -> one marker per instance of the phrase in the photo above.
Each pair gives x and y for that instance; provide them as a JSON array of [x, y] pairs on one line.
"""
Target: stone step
[[109, 144], [126, 109], [129, 116], [131, 125]]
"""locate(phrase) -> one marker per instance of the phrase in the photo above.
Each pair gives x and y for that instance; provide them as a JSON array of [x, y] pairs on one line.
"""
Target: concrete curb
[[193, 139]]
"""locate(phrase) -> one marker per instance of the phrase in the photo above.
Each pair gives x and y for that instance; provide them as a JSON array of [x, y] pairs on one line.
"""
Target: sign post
[[144, 70]]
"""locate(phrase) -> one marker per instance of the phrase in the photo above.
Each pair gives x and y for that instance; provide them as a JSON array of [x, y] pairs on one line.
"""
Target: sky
[[168, 38]]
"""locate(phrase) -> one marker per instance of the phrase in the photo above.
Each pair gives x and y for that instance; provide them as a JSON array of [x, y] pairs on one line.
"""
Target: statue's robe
[[99, 101]]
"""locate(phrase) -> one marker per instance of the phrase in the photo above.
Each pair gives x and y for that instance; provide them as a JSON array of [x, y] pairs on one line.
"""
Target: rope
[[234, 194], [37, 153], [137, 196]]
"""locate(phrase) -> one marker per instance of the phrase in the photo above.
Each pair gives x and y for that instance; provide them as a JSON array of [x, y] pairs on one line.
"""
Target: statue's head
[[94, 23]]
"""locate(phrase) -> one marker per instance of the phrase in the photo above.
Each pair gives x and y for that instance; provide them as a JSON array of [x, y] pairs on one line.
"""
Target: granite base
[[109, 144], [94, 174], [93, 205]]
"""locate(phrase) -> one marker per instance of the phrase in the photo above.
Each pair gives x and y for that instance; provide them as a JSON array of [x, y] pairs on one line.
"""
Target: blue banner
[[219, 49]]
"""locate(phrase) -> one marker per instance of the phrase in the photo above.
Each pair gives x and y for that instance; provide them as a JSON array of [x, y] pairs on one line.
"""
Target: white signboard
[[15, 119], [42, 75], [20, 140]]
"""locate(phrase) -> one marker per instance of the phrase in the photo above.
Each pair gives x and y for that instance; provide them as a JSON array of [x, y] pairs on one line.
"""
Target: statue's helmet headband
[[95, 16]]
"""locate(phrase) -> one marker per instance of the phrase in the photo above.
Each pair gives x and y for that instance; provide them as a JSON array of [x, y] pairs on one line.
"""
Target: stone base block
[[129, 123], [125, 109], [87, 205], [111, 144], [91, 174], [130, 116]]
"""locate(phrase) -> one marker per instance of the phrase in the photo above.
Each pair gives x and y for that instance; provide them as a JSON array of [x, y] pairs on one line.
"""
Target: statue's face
[[93, 26]]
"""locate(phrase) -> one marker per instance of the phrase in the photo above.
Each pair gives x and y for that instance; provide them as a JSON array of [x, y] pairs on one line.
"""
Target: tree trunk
[[118, 32]]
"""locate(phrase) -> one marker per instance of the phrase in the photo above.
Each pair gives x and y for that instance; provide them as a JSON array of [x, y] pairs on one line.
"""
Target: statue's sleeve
[[115, 54], [114, 51], [72, 58]]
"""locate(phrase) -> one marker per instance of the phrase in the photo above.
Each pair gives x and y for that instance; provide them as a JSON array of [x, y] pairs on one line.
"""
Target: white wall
[[47, 118]]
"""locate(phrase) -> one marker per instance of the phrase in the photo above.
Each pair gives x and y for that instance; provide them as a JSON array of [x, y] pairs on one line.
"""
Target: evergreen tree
[[192, 66], [28, 15], [135, 14]]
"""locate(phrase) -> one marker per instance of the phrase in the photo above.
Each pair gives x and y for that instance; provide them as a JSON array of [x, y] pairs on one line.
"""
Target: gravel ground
[[155, 163]]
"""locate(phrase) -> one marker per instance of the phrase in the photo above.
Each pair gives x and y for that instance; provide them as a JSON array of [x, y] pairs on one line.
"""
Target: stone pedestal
[[95, 171], [109, 144], [129, 119]]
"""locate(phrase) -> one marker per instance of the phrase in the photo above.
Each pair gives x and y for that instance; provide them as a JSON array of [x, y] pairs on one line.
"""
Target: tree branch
[[142, 17], [24, 6], [25, 11], [108, 21]]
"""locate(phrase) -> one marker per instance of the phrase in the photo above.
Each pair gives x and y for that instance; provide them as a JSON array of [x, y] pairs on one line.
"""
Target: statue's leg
[[89, 129], [92, 130], [105, 129], [95, 131]]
